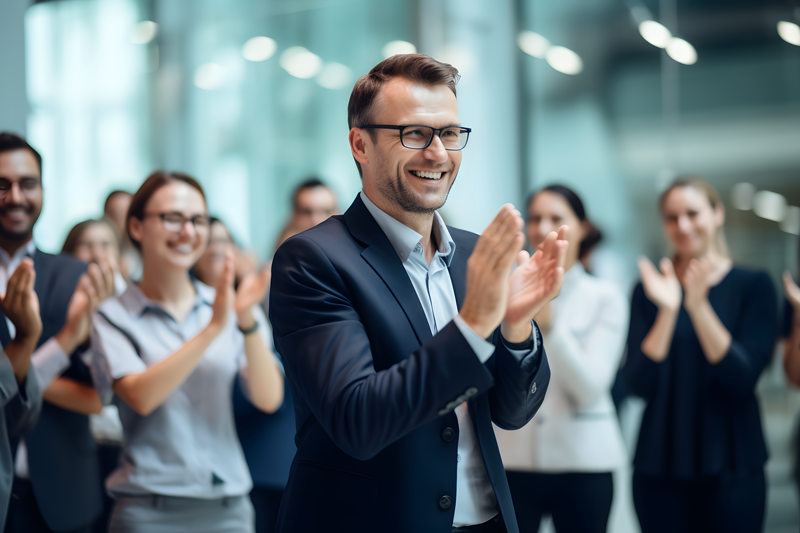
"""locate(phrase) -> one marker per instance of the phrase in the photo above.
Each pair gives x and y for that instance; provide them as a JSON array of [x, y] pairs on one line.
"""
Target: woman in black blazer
[[702, 330]]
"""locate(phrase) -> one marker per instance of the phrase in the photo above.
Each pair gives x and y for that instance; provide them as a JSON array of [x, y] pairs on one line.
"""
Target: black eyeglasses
[[174, 222], [419, 137]]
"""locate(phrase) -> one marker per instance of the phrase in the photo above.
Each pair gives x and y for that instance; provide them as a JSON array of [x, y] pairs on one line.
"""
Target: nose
[[684, 224], [435, 150], [14, 195], [188, 231]]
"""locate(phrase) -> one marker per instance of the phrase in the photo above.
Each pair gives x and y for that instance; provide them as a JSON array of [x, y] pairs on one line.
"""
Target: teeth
[[427, 175], [184, 248]]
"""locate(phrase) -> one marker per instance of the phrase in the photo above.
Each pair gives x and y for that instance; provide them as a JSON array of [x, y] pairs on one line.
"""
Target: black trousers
[[730, 505], [578, 502], [23, 511], [266, 503]]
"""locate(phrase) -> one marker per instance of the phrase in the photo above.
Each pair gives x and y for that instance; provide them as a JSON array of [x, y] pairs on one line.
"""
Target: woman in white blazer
[[560, 463]]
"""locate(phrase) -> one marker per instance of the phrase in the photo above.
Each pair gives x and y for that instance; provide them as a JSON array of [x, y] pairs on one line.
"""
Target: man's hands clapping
[[21, 305], [495, 295]]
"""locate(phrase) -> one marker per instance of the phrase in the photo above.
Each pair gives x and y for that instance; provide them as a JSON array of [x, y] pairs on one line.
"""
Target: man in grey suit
[[19, 391]]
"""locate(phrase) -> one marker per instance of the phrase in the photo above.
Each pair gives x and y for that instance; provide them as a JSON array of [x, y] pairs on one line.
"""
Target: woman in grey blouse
[[561, 462], [170, 348]]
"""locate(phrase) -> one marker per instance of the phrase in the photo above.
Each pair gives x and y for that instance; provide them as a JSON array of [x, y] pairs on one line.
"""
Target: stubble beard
[[397, 190]]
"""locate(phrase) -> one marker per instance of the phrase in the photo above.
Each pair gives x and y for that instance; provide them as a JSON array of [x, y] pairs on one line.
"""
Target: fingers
[[107, 276], [646, 269], [522, 258], [666, 267]]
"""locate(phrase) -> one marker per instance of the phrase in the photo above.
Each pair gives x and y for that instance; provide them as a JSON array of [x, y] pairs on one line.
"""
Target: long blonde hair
[[720, 243]]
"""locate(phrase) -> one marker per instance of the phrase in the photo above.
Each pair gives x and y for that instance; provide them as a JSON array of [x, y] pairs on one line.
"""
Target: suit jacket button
[[448, 434], [533, 388], [445, 502]]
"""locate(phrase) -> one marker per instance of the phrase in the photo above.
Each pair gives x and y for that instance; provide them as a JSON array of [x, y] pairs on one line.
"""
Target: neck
[[166, 286], [718, 260], [12, 246], [422, 223]]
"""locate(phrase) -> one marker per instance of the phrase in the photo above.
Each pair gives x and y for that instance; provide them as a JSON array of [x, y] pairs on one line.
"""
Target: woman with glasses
[[561, 462], [702, 330], [170, 348]]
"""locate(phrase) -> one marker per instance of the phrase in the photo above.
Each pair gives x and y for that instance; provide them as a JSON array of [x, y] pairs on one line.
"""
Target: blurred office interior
[[250, 97]]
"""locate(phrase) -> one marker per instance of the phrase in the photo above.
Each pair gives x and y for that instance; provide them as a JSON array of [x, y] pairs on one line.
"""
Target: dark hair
[[310, 183], [417, 68], [593, 235], [11, 141], [154, 182], [111, 196], [714, 200], [75, 234]]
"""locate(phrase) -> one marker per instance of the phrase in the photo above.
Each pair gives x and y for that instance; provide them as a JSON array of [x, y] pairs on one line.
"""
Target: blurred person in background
[[790, 331], [561, 462], [312, 203], [95, 241], [20, 397], [170, 347], [702, 330], [267, 439], [116, 210], [57, 475]]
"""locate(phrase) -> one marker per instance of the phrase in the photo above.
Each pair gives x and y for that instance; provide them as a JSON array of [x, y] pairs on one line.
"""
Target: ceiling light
[[209, 76], [532, 44], [789, 32], [769, 205], [144, 32], [742, 196], [334, 76], [681, 51], [393, 48], [791, 222], [655, 33], [259, 49], [564, 60], [300, 63]]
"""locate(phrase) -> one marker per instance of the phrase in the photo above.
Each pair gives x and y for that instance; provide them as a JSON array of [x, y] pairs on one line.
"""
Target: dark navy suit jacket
[[62, 455], [374, 391]]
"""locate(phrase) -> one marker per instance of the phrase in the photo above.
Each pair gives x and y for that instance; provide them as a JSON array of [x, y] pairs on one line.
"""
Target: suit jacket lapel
[[458, 272], [382, 257]]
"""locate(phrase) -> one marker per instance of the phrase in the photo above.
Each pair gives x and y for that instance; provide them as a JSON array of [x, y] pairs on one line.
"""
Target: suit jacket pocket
[[332, 483]]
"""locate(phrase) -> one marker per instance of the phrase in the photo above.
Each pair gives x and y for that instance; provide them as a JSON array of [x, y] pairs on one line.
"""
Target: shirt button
[[533, 388], [448, 434], [458, 457], [445, 502]]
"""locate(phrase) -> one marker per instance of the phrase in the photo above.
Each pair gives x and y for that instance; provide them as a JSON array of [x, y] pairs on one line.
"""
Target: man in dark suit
[[57, 484], [20, 396], [387, 321]]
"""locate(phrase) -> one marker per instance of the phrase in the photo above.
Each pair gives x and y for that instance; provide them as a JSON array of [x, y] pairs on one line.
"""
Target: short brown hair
[[154, 182], [417, 68]]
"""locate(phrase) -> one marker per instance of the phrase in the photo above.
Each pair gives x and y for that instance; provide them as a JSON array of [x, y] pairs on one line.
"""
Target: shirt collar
[[403, 239], [134, 300], [27, 250]]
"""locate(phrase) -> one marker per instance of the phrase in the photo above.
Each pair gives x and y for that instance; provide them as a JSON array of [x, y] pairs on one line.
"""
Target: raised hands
[[225, 298], [252, 290], [93, 287], [536, 280], [792, 291], [696, 282], [21, 305], [494, 294], [661, 288]]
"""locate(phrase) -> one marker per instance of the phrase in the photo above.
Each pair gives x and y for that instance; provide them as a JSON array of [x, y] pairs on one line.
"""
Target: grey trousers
[[166, 514]]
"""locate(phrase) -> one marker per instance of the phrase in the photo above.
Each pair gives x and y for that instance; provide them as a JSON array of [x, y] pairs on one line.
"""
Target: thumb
[[523, 257], [667, 268]]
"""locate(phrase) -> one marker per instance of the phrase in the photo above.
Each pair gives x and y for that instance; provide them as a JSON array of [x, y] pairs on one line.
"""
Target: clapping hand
[[21, 305], [534, 283], [225, 298], [792, 291], [252, 290], [695, 282], [93, 287], [661, 288]]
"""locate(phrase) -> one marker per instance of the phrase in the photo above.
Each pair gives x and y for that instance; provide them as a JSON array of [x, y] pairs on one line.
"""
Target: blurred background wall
[[250, 97]]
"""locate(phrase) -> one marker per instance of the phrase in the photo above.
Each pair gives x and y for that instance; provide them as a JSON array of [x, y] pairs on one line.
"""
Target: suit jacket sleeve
[[21, 405], [328, 358]]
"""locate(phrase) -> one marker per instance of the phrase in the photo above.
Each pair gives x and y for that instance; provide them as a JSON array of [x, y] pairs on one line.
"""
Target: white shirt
[[576, 428], [476, 502], [47, 362]]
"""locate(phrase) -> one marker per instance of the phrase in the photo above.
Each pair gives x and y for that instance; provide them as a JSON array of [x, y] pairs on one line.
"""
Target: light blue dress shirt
[[475, 499]]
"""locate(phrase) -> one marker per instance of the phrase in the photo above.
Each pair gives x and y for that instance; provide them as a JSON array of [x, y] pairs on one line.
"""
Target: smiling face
[[690, 221], [171, 249], [547, 212], [20, 195], [402, 180], [97, 243]]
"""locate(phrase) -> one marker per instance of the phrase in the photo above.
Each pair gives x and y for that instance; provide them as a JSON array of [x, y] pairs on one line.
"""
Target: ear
[[135, 227], [359, 143]]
